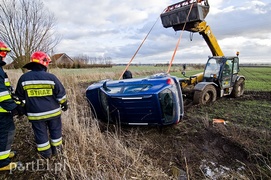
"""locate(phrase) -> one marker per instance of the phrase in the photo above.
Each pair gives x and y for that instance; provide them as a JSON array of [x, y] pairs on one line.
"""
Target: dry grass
[[92, 153]]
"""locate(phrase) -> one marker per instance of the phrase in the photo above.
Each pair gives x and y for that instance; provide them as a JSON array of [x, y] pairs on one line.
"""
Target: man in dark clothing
[[44, 97], [127, 75], [8, 108]]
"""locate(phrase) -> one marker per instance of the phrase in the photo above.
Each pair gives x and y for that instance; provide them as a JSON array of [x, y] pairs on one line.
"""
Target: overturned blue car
[[154, 100]]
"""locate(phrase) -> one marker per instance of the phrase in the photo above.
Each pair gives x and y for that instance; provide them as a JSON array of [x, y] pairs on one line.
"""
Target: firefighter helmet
[[41, 58], [4, 49]]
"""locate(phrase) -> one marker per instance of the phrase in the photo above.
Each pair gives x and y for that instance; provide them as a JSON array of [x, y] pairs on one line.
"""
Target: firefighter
[[44, 97], [8, 108]]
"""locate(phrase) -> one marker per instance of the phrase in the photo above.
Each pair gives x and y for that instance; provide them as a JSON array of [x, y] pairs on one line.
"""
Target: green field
[[257, 78]]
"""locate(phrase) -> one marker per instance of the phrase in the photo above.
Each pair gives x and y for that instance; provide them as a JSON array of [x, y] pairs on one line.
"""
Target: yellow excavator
[[220, 77]]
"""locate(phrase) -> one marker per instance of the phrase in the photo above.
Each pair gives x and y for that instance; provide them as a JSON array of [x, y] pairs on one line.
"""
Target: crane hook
[[191, 36]]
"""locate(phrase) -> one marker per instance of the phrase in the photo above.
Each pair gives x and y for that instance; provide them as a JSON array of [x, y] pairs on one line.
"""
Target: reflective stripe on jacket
[[43, 93], [4, 154], [6, 102], [44, 115]]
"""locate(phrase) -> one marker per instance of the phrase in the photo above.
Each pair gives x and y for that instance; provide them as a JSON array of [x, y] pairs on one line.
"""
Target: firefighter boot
[[10, 167], [56, 150], [45, 154], [12, 154]]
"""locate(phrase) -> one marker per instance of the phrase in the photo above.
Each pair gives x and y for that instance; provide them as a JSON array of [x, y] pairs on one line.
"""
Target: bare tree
[[26, 26], [108, 60]]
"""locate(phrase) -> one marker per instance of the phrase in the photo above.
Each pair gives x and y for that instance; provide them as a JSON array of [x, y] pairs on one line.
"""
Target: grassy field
[[257, 78], [238, 149]]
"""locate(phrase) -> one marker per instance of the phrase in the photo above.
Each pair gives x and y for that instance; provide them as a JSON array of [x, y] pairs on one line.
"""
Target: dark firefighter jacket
[[6, 102], [43, 94]]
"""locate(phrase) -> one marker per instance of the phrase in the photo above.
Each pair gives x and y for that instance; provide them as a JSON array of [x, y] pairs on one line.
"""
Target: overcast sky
[[116, 28]]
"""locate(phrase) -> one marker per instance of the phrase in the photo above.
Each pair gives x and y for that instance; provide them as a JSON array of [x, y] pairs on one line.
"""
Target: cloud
[[117, 28]]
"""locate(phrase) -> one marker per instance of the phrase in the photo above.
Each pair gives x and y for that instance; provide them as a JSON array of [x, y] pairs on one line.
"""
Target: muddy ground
[[196, 148]]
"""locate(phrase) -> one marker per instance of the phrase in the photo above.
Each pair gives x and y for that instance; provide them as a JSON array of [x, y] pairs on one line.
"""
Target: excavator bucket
[[178, 14]]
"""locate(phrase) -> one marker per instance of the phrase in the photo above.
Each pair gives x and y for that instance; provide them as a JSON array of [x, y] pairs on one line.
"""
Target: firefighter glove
[[64, 106], [19, 110]]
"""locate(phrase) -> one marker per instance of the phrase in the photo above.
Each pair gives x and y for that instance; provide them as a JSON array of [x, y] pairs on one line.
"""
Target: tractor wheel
[[206, 96], [238, 88]]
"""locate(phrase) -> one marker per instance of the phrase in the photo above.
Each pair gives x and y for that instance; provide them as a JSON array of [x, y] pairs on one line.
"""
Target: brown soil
[[198, 149]]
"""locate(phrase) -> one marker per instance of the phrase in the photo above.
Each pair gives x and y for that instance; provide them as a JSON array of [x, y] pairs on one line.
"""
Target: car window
[[128, 89]]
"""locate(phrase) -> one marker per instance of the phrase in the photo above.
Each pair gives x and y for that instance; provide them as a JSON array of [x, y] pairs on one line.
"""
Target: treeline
[[75, 65], [255, 65], [196, 66], [85, 62], [78, 65], [85, 59]]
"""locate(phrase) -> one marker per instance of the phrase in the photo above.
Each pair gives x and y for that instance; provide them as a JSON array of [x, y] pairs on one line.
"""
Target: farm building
[[62, 58]]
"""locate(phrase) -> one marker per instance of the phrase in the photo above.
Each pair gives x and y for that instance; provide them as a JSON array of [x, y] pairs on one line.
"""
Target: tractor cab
[[223, 71]]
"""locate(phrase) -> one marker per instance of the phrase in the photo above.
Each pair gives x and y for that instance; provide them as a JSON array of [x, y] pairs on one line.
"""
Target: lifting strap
[[177, 45], [137, 50]]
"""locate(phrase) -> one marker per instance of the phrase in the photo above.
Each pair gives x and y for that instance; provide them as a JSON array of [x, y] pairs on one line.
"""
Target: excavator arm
[[209, 38]]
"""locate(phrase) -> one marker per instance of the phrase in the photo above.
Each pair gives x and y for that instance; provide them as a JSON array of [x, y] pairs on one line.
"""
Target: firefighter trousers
[[7, 132], [48, 135]]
